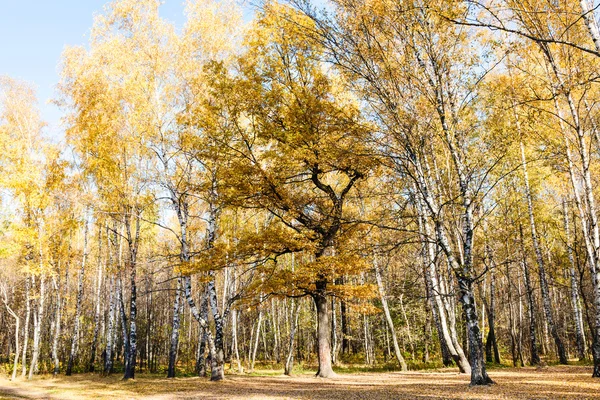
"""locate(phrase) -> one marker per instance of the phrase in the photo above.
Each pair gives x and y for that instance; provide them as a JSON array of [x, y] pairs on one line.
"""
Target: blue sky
[[33, 35]]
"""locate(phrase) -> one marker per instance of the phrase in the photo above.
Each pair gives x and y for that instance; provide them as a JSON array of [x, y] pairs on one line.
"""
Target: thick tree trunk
[[200, 367], [202, 338], [388, 316], [219, 360], [323, 330], [175, 331], [75, 336], [479, 375], [216, 373]]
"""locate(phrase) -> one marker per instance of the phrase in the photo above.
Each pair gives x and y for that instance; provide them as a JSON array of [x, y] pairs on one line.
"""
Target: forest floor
[[565, 382]]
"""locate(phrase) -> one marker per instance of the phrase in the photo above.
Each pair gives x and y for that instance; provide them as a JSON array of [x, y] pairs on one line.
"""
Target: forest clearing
[[399, 196], [559, 383]]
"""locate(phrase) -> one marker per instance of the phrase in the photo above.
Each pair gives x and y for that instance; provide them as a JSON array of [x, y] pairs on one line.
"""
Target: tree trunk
[[446, 355], [535, 358], [478, 373], [175, 331], [491, 343], [16, 360], [216, 373], [276, 331], [114, 296], [124, 332], [344, 327], [38, 319], [57, 324], [593, 242], [366, 343], [590, 22], [202, 338], [133, 242], [388, 316], [130, 365], [91, 365], [289, 361], [426, 330], [408, 329], [219, 360], [511, 315], [200, 368], [75, 336], [108, 354], [448, 340], [256, 339], [520, 319], [334, 339], [323, 330], [234, 334], [17, 320], [562, 355], [575, 302], [26, 326]]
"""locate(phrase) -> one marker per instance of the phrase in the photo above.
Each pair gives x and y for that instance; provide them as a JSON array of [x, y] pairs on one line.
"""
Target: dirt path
[[550, 383]]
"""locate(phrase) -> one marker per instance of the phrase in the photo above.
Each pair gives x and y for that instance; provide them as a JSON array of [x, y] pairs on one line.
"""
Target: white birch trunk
[[388, 316]]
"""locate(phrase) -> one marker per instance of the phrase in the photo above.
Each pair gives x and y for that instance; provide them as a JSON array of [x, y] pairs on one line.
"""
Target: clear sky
[[33, 34]]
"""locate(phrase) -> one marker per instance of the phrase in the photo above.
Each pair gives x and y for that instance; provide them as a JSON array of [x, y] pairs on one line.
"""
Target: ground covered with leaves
[[571, 382]]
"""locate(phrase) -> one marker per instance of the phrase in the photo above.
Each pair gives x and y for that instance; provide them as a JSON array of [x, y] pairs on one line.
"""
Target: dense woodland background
[[397, 184]]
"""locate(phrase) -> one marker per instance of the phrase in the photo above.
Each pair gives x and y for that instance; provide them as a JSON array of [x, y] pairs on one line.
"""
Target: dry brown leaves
[[527, 383]]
